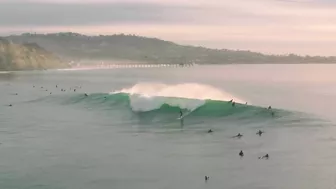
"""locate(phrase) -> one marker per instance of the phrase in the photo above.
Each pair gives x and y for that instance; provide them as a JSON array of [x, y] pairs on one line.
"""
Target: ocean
[[120, 128]]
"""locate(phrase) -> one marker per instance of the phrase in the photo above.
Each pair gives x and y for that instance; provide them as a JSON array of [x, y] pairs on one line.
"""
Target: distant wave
[[160, 106], [161, 103]]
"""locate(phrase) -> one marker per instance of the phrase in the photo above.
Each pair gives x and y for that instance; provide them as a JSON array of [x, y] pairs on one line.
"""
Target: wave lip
[[185, 90]]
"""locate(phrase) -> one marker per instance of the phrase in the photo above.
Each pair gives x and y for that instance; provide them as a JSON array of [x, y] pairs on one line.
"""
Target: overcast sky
[[271, 26]]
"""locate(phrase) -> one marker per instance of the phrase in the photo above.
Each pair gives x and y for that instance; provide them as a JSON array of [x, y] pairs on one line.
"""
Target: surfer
[[86, 94], [238, 136], [260, 132], [231, 101], [210, 131], [56, 86], [181, 113], [269, 107], [233, 104], [74, 90], [10, 105], [264, 157], [206, 178], [241, 153]]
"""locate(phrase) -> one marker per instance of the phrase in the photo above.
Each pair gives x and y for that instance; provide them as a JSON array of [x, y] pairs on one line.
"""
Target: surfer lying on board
[[238, 136], [264, 157]]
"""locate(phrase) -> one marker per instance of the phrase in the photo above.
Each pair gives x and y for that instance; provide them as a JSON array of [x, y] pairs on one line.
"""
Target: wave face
[[160, 106], [160, 103]]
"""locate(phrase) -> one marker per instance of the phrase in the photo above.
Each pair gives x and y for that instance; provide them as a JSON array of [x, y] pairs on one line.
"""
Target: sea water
[[119, 128]]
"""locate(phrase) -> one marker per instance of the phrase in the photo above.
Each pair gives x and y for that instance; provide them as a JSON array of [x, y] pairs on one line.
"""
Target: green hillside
[[28, 56], [73, 46]]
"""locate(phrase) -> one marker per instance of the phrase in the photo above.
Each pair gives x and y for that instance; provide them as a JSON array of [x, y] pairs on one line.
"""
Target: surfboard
[[184, 115]]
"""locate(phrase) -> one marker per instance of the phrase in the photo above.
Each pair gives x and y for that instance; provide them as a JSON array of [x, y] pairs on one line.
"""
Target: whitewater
[[119, 128]]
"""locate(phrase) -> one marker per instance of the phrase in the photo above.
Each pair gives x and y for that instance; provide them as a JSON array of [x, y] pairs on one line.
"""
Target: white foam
[[151, 96]]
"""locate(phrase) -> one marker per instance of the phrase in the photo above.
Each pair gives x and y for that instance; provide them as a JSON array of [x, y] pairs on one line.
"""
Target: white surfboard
[[184, 115]]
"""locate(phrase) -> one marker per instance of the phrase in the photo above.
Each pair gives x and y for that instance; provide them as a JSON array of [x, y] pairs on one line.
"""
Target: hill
[[74, 46], [28, 56]]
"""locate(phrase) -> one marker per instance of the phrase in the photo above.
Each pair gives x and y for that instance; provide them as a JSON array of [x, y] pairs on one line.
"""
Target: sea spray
[[184, 90]]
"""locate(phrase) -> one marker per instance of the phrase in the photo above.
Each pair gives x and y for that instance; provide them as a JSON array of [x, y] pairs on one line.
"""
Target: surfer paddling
[[238, 136], [264, 157]]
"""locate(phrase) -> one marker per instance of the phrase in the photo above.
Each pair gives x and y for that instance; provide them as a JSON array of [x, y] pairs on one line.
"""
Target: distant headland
[[74, 47]]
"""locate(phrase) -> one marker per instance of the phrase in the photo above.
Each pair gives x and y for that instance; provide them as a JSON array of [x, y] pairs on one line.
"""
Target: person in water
[[241, 153], [233, 104], [260, 132], [231, 101], [210, 131], [269, 107], [86, 94], [239, 135], [207, 178], [264, 157]]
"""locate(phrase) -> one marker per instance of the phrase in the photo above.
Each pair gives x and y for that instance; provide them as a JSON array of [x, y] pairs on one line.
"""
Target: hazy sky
[[271, 26]]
